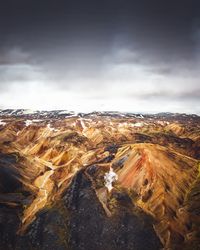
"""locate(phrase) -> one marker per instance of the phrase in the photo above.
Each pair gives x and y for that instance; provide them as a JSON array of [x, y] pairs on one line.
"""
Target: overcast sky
[[122, 55]]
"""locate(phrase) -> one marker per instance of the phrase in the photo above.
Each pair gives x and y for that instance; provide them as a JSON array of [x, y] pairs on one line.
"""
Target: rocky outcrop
[[79, 222]]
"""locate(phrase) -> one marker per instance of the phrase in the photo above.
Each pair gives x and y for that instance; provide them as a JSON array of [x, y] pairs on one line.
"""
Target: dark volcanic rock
[[79, 222], [10, 201], [47, 232], [9, 222], [90, 228], [8, 173]]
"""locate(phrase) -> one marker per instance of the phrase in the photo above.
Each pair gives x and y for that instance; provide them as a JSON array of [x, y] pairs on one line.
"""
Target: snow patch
[[109, 178], [28, 111], [36, 120], [64, 112], [2, 123], [138, 124], [51, 129], [83, 124], [28, 122]]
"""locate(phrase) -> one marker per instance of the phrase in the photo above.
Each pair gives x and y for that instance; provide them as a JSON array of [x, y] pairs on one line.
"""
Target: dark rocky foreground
[[78, 222]]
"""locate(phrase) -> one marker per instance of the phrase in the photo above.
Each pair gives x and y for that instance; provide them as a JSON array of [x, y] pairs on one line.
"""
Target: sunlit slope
[[161, 178]]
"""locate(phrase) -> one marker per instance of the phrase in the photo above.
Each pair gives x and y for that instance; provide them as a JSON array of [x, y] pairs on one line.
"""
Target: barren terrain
[[53, 190]]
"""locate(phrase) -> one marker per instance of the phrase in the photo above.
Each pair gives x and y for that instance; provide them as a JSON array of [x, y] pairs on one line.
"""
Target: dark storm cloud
[[106, 51], [17, 67]]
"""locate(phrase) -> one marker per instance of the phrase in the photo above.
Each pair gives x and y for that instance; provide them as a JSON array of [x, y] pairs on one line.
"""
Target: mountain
[[102, 180]]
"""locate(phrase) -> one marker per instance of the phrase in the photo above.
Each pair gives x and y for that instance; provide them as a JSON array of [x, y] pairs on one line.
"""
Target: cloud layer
[[134, 56], [123, 80]]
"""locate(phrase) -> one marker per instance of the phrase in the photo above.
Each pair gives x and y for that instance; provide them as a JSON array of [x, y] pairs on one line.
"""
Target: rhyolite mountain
[[52, 181]]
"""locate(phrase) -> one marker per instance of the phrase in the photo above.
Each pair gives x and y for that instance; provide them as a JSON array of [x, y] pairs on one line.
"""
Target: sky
[[100, 55]]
